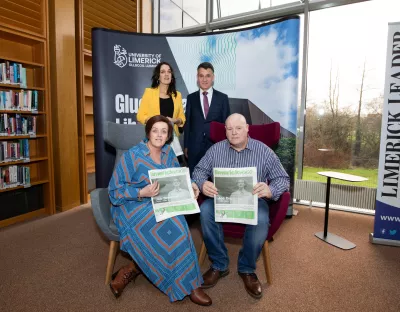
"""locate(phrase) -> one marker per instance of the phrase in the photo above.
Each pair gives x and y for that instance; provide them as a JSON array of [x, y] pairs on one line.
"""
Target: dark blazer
[[197, 129]]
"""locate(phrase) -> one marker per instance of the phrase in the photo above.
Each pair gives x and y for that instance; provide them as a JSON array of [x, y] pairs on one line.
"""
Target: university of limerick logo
[[120, 56], [133, 59]]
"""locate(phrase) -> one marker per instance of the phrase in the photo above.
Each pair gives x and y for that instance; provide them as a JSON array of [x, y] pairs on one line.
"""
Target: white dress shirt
[[209, 96]]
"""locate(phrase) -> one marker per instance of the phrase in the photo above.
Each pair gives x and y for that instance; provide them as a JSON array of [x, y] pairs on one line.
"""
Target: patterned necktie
[[205, 103]]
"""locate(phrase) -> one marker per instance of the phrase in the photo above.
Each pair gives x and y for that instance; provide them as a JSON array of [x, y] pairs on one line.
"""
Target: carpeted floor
[[58, 264]]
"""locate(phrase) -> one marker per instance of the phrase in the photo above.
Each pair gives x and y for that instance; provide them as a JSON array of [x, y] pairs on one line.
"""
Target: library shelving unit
[[85, 101], [24, 41], [88, 124]]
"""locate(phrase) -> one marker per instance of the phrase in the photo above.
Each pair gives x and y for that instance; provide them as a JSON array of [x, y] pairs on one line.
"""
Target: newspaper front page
[[235, 201], [176, 196]]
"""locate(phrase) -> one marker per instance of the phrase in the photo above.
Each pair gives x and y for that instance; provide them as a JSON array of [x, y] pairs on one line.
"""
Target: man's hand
[[209, 189], [196, 190], [262, 190], [185, 150], [150, 190]]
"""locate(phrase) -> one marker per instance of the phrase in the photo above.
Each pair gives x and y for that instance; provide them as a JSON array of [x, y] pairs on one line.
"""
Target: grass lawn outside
[[310, 173]]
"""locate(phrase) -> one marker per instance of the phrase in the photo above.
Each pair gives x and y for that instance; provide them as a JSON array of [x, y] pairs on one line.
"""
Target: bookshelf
[[86, 126], [24, 41], [88, 122]]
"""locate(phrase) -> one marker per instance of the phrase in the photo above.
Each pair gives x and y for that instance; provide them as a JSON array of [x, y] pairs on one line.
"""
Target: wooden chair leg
[[111, 260], [203, 253], [267, 262]]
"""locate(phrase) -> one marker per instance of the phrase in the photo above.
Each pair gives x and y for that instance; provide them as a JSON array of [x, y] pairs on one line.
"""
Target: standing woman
[[163, 99]]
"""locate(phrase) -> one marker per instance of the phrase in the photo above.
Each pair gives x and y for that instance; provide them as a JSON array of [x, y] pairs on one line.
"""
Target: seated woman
[[163, 251]]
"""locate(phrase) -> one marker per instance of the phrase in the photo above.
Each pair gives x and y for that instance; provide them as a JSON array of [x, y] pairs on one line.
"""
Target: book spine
[[36, 100], [1, 73], [23, 77]]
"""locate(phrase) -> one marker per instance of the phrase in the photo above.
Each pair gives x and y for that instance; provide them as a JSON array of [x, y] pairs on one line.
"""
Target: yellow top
[[150, 106]]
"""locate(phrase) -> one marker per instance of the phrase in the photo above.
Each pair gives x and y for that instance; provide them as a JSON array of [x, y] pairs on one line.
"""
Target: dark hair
[[158, 118], [155, 79], [206, 65]]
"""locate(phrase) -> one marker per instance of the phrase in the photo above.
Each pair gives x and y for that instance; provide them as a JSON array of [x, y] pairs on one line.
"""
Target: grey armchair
[[122, 138]]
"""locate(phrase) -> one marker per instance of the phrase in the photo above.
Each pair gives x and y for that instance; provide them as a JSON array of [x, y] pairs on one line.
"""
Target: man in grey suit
[[203, 107]]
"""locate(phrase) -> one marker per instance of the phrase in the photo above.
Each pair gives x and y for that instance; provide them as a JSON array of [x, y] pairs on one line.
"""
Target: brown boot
[[123, 277], [198, 296]]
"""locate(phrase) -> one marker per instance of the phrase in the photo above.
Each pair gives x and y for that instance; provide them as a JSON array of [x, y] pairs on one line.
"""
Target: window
[[223, 8], [345, 81], [194, 12], [175, 14], [170, 15], [271, 3]]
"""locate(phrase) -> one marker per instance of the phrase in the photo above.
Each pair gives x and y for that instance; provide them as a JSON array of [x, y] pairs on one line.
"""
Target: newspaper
[[235, 201], [176, 145], [176, 195]]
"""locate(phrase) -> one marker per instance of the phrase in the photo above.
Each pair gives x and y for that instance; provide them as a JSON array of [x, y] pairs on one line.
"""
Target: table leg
[[328, 193], [330, 238]]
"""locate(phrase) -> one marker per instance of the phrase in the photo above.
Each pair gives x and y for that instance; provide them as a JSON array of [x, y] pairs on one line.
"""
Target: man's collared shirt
[[256, 154]]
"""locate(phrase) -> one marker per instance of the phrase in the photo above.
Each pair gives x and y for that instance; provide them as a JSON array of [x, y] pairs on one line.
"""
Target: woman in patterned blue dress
[[163, 251]]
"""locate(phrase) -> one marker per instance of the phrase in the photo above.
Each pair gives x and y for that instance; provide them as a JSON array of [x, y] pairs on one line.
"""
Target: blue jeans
[[253, 240]]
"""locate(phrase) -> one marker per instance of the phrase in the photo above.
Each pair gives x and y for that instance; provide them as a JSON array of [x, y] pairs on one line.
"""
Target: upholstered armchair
[[122, 138]]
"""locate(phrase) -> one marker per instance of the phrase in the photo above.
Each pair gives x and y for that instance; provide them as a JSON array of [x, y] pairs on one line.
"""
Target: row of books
[[14, 150], [22, 100], [15, 124], [11, 72], [13, 176]]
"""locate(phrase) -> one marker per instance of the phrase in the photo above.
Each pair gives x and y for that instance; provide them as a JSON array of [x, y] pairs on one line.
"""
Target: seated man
[[238, 151]]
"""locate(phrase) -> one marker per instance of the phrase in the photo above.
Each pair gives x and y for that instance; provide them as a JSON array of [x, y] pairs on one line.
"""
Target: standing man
[[238, 151], [203, 107]]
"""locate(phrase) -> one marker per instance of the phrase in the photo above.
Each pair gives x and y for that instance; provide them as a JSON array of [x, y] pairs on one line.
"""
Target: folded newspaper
[[176, 196], [176, 145], [235, 201]]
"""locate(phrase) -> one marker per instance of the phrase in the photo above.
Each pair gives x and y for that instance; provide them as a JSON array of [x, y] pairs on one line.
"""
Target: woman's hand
[[196, 190], [150, 190], [174, 121]]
